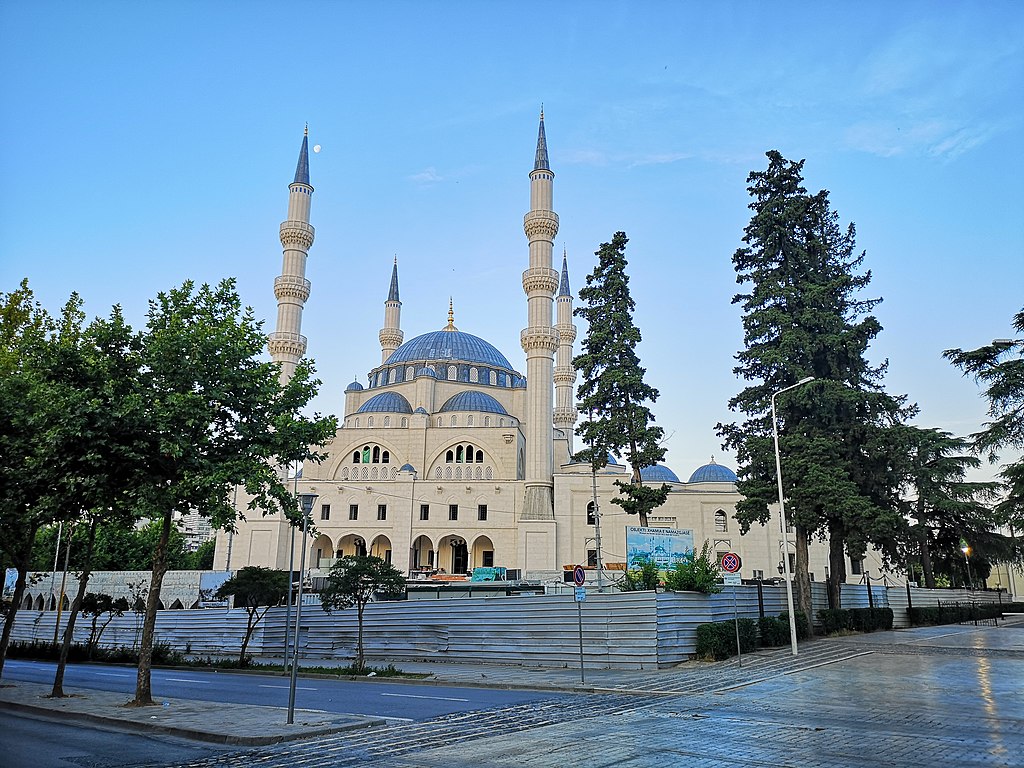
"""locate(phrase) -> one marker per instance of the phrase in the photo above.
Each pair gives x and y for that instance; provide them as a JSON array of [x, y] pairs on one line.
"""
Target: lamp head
[[306, 502]]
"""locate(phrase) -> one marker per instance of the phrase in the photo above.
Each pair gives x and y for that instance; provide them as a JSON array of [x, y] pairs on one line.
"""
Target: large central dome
[[449, 345]]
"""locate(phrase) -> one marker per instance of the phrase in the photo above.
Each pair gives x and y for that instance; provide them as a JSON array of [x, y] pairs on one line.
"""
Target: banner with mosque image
[[663, 546]]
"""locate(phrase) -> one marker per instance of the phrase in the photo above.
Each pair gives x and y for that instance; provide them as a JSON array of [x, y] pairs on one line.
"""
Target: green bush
[[834, 620], [803, 628], [698, 573], [717, 640], [870, 619], [773, 631], [961, 612]]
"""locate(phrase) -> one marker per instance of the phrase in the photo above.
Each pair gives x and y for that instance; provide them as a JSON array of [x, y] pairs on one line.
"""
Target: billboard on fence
[[209, 583], [663, 546], [10, 579]]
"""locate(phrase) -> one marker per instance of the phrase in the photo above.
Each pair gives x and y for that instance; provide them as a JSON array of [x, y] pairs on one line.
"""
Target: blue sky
[[148, 143]]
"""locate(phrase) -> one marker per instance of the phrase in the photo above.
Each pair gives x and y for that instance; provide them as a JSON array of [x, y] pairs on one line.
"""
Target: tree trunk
[[359, 637], [249, 627], [926, 558], [836, 565], [143, 682], [69, 630], [21, 562], [802, 581]]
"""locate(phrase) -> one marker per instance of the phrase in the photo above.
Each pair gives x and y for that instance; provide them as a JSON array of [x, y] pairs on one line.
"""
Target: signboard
[[581, 594], [579, 575], [662, 546], [731, 562], [10, 578], [209, 583], [732, 580]]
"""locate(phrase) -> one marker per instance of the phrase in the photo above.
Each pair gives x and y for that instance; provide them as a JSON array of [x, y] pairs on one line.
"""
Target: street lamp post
[[782, 515], [306, 501], [970, 579]]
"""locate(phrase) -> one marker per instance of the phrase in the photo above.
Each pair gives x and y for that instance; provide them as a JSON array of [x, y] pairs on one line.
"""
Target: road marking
[[185, 680], [112, 674], [414, 696], [286, 687]]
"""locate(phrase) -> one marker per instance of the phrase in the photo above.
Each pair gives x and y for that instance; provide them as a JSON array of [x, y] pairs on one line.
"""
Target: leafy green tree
[[202, 558], [354, 580], [613, 390], [252, 588], [645, 575], [698, 573], [803, 316], [218, 418], [944, 504], [999, 368], [97, 604]]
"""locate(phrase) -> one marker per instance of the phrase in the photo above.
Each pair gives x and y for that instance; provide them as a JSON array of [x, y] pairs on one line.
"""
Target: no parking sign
[[731, 562]]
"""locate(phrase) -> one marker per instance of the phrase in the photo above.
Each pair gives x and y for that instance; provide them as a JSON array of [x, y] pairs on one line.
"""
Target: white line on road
[[298, 687], [113, 674], [413, 696], [186, 680]]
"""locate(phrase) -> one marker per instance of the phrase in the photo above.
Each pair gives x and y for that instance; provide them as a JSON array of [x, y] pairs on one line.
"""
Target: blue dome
[[611, 460], [355, 386], [427, 372], [658, 474], [473, 401], [449, 345], [407, 468], [386, 402], [422, 410], [713, 473]]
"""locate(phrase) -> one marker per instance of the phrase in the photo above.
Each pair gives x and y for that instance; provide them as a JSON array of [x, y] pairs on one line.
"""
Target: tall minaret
[[286, 344], [391, 334], [565, 374], [539, 338]]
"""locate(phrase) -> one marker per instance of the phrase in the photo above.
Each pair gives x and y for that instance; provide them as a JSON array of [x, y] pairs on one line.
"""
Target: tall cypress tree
[[613, 390], [803, 316]]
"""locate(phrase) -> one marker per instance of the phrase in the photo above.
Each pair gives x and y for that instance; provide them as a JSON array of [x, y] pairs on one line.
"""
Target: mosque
[[450, 459]]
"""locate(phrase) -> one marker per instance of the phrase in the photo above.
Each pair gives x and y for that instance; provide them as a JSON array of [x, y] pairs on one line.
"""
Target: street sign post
[[731, 563], [579, 576]]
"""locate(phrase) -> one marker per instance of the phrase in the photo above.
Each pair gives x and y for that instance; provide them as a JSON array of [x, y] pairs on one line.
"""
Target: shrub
[[834, 620], [773, 631], [717, 640], [803, 628], [698, 573], [870, 619]]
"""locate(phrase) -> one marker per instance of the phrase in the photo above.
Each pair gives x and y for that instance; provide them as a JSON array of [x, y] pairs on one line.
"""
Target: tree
[[999, 368], [218, 418], [202, 558], [944, 504], [802, 316], [95, 605], [644, 575], [355, 580], [698, 573], [254, 587], [613, 390]]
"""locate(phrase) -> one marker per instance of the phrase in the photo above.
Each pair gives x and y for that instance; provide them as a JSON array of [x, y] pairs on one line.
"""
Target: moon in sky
[[316, 148]]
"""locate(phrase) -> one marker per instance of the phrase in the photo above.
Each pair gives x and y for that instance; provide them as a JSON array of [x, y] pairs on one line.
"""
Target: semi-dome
[[421, 409], [713, 473], [424, 371], [473, 401], [449, 345], [355, 386], [386, 402], [407, 468], [659, 473]]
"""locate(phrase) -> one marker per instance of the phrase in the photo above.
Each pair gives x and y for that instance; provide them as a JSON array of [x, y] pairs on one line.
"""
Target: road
[[399, 702]]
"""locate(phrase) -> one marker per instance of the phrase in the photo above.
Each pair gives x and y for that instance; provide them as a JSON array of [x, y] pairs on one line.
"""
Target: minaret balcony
[[543, 224], [292, 287], [284, 338], [540, 279], [298, 233], [566, 332], [565, 415], [539, 337], [564, 374]]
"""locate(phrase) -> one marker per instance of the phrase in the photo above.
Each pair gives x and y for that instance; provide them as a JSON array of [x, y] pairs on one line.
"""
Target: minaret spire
[[565, 413], [286, 344], [539, 338], [391, 334]]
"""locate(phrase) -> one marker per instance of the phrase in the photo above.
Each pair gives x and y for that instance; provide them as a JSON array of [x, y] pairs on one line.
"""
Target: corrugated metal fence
[[629, 630]]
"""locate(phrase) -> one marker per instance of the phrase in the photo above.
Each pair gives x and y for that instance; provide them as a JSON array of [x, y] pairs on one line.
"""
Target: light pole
[[306, 501], [782, 515], [966, 550]]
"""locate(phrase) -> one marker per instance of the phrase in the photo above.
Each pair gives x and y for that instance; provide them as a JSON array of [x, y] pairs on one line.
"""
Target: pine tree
[[613, 390], [803, 316]]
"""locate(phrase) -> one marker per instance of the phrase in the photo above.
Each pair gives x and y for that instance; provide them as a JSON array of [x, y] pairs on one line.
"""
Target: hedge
[[773, 631], [961, 612], [717, 640], [803, 628], [855, 619]]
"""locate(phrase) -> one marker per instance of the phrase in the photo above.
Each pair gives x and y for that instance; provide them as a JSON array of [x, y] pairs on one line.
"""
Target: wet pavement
[[949, 695]]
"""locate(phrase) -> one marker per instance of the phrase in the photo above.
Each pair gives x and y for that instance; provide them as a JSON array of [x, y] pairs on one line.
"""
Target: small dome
[[407, 468], [422, 410], [386, 402], [473, 401], [659, 473], [611, 460], [713, 473], [424, 371], [355, 386]]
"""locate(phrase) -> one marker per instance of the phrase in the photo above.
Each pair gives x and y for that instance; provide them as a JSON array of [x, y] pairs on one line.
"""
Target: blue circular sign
[[579, 575]]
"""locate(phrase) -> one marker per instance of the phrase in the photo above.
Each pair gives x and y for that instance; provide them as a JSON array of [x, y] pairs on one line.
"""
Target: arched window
[[487, 473], [449, 457], [479, 457], [385, 457], [355, 457], [376, 454], [393, 377], [477, 473], [591, 517], [487, 421], [409, 373], [501, 422], [493, 378], [357, 423], [369, 421], [447, 473], [373, 473], [437, 473], [458, 473], [439, 421], [454, 420], [458, 454], [344, 473], [721, 521], [473, 375], [453, 372], [365, 473], [366, 455], [387, 421], [405, 422], [469, 421]]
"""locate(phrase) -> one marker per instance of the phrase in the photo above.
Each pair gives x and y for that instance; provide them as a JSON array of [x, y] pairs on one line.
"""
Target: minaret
[[565, 374], [539, 338], [391, 334], [286, 344]]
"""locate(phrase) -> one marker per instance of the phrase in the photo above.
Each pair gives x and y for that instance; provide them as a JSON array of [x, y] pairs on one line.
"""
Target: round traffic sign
[[579, 575], [731, 562]]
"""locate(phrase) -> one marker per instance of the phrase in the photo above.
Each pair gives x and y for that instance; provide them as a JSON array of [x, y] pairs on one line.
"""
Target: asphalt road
[[397, 701]]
